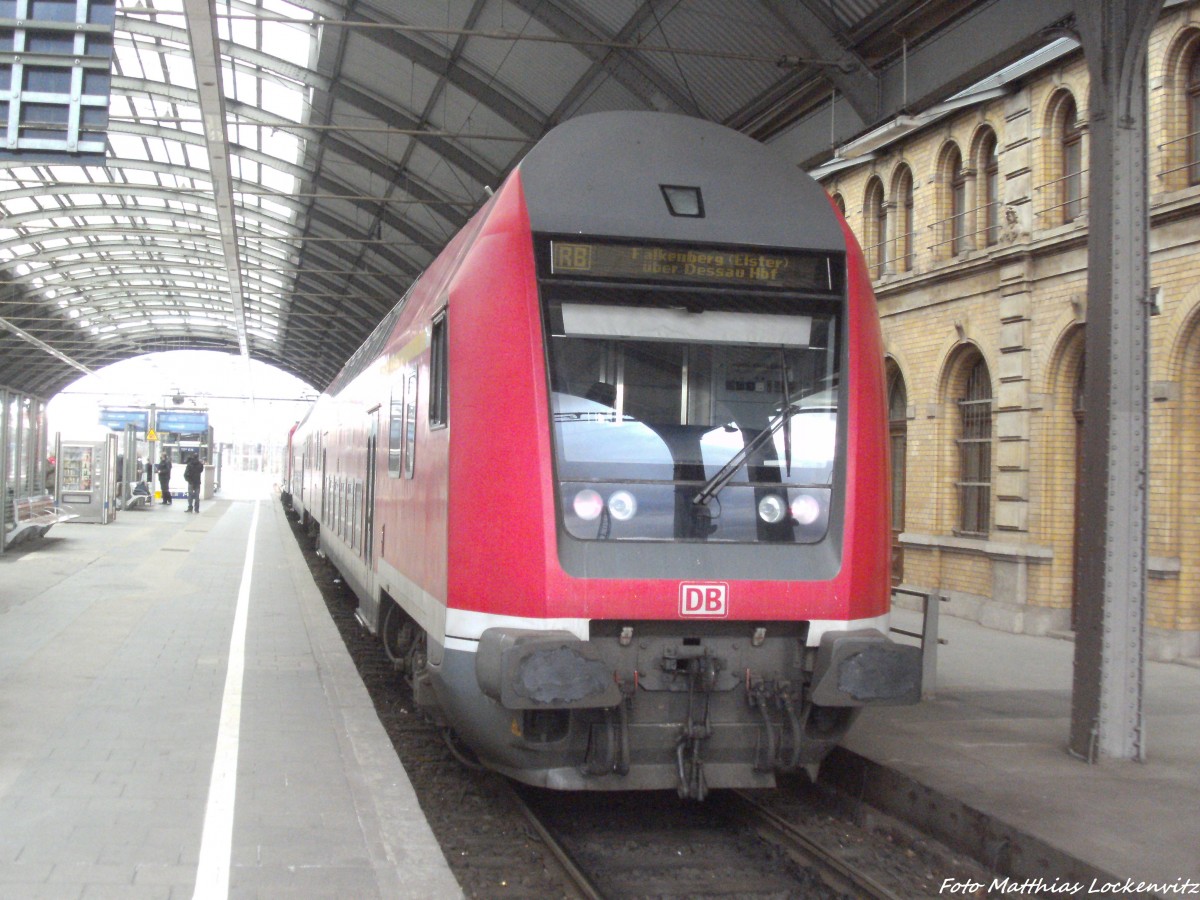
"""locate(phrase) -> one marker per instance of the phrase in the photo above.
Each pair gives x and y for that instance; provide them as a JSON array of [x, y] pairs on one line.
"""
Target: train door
[[324, 485], [369, 499], [369, 601]]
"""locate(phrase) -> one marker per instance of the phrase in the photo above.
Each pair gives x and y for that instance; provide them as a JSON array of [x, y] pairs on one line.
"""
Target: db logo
[[704, 600]]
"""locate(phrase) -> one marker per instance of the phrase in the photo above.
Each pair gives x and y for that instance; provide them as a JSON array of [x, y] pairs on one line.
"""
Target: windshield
[[684, 415]]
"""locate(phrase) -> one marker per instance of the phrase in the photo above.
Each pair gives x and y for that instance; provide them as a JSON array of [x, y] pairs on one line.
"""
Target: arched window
[[1071, 180], [904, 220], [989, 164], [898, 436], [875, 214], [975, 451], [954, 203], [1193, 117], [840, 203]]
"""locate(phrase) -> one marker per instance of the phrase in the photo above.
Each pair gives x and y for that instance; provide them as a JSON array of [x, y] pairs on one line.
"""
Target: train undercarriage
[[639, 706]]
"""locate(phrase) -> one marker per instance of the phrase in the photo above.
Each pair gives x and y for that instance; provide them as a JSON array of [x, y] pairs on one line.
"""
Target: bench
[[33, 517], [138, 497], [928, 636]]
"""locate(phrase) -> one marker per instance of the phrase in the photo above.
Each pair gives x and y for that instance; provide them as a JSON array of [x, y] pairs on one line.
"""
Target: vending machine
[[87, 478]]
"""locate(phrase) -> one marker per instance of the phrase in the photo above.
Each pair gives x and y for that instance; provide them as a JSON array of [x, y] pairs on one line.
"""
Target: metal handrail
[[1178, 139], [941, 223], [928, 636]]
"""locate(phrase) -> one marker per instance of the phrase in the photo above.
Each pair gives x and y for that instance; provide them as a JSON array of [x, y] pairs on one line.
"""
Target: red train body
[[610, 482]]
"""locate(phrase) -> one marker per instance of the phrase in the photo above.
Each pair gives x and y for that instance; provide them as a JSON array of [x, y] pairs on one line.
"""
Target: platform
[[985, 763], [119, 708]]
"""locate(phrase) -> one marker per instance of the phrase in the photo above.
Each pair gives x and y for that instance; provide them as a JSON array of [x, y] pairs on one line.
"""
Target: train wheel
[[417, 654], [398, 634]]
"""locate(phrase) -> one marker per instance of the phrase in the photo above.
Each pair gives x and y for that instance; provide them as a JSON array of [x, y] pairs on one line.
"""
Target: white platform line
[[216, 843]]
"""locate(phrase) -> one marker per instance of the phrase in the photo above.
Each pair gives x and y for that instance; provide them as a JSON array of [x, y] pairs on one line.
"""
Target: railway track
[[508, 840], [835, 868], [621, 845]]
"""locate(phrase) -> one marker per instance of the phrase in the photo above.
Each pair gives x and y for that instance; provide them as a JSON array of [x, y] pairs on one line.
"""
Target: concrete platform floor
[[133, 763], [986, 763]]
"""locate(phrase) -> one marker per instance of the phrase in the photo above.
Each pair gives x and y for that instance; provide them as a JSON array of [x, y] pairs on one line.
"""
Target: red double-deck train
[[610, 481]]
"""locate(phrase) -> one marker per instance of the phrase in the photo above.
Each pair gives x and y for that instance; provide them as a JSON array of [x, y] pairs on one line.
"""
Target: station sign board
[[190, 421], [116, 419]]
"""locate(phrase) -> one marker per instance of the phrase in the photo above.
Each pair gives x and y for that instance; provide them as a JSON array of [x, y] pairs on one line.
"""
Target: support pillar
[[1106, 706], [6, 495]]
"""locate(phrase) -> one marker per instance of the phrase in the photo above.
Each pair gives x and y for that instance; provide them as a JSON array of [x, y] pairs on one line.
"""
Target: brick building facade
[[974, 222]]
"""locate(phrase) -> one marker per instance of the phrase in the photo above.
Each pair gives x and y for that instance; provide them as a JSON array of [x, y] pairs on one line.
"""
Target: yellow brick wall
[[1022, 304]]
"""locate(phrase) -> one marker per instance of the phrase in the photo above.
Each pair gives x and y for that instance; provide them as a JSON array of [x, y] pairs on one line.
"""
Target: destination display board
[[189, 422], [117, 419], [693, 265]]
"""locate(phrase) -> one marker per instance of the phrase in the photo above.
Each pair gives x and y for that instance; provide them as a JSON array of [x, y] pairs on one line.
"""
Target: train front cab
[[672, 569], [712, 603]]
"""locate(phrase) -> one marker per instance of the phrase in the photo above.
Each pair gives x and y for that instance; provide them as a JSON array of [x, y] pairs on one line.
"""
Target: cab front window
[[693, 415]]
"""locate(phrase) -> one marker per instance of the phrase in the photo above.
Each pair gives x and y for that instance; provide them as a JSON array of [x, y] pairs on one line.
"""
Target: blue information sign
[[117, 419], [183, 422]]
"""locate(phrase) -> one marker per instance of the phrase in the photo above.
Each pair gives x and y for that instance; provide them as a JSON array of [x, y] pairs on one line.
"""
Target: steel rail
[[573, 876], [832, 867]]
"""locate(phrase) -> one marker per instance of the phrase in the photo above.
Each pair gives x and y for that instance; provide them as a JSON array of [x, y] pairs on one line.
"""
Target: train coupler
[[695, 730]]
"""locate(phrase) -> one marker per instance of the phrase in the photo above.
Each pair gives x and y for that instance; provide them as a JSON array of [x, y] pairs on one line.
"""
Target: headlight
[[588, 504], [622, 505], [772, 509], [806, 509]]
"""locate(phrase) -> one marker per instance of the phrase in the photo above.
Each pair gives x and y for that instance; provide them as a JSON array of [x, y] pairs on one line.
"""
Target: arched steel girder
[[102, 285], [120, 253], [430, 243], [117, 189], [394, 117], [99, 275], [108, 300], [505, 105], [359, 156], [116, 214], [262, 65], [848, 72], [320, 351], [182, 136], [355, 96], [206, 232], [165, 236], [631, 70]]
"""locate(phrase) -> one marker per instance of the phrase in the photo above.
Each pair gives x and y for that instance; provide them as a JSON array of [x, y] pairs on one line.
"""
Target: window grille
[[975, 453]]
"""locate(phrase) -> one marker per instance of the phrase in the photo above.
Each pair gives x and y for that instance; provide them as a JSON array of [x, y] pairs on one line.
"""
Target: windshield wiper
[[713, 486], [787, 402]]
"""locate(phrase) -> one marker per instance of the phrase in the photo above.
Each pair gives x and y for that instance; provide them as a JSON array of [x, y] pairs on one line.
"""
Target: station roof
[[277, 173]]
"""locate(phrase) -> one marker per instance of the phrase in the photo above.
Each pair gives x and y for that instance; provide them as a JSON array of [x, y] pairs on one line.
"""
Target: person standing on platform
[[192, 473], [164, 477]]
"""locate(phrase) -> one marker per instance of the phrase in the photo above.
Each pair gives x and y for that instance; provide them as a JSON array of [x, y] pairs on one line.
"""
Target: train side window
[[396, 428], [438, 374]]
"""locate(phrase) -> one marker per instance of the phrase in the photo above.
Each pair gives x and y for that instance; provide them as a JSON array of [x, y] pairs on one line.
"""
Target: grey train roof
[[641, 153]]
